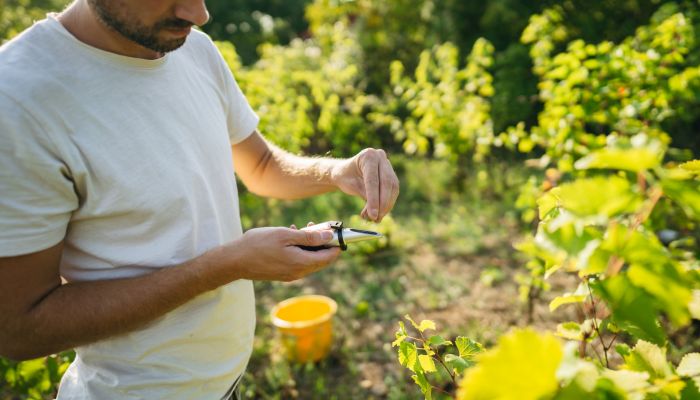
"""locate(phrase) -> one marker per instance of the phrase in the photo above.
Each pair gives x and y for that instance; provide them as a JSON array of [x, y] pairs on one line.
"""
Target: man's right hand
[[273, 254]]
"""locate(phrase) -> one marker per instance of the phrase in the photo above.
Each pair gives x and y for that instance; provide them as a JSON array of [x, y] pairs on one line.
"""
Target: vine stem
[[597, 328], [439, 358], [440, 390]]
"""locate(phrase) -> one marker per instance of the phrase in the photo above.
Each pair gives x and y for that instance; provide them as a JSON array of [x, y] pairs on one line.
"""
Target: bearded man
[[120, 235]]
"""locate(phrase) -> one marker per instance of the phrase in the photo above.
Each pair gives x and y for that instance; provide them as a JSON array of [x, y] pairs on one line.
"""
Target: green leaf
[[408, 355], [690, 367], [408, 317], [623, 349], [548, 202], [691, 390], [468, 348], [402, 329], [632, 308], [652, 268], [634, 159], [629, 381], [399, 338], [649, 358], [566, 244], [694, 305], [456, 363], [684, 193], [438, 340], [568, 298], [693, 166], [31, 370], [599, 196], [523, 366], [422, 382], [569, 331], [426, 363], [665, 284], [426, 324]]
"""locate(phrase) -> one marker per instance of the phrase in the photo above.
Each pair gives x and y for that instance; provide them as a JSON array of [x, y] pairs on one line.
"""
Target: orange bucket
[[305, 324]]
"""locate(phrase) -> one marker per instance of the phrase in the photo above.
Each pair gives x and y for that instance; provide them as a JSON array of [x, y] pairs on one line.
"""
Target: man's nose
[[194, 11]]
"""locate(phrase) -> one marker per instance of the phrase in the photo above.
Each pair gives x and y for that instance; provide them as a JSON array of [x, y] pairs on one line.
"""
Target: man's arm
[[40, 316], [269, 171]]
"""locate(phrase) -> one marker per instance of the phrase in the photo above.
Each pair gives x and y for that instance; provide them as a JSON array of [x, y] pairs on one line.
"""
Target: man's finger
[[319, 259], [388, 191], [370, 176], [309, 238], [312, 261]]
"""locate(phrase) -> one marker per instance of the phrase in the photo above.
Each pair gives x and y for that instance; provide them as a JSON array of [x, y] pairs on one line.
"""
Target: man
[[116, 157]]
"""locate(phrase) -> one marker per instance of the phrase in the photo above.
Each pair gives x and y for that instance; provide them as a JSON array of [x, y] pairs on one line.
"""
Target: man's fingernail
[[325, 235], [373, 213]]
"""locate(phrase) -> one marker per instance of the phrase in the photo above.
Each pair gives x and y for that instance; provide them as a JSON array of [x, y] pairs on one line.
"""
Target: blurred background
[[482, 106]]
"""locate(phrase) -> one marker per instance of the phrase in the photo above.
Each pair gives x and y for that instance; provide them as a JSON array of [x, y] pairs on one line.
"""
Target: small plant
[[426, 355]]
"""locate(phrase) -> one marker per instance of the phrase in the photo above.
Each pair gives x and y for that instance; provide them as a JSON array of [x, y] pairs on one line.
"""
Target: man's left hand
[[369, 175]]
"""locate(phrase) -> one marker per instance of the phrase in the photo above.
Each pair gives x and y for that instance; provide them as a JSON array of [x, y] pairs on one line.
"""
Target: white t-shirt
[[129, 160]]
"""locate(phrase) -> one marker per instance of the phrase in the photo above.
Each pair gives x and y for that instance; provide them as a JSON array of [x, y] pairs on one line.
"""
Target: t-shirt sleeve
[[36, 193], [241, 118]]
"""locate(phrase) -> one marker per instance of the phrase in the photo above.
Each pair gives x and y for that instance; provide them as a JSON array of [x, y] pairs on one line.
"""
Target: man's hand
[[369, 175], [272, 254]]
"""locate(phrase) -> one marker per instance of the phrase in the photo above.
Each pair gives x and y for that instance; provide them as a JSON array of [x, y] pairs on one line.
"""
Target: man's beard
[[116, 17]]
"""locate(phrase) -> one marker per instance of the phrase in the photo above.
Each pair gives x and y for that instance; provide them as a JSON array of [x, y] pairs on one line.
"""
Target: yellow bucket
[[305, 324]]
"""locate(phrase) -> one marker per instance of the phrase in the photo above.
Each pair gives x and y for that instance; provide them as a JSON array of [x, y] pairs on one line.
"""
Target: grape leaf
[[408, 355], [632, 308], [523, 366], [425, 325], [649, 358], [691, 166], [566, 299], [685, 193], [629, 381], [456, 363], [438, 340], [468, 348], [599, 196], [634, 159], [426, 363], [690, 367], [422, 382]]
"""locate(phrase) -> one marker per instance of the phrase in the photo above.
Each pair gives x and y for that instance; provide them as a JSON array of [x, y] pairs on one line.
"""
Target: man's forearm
[[270, 171], [84, 312], [287, 176]]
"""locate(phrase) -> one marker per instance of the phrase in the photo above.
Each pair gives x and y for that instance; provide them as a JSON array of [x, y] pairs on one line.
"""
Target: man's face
[[161, 26]]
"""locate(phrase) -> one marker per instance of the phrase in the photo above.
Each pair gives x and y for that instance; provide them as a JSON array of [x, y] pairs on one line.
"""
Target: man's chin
[[166, 46]]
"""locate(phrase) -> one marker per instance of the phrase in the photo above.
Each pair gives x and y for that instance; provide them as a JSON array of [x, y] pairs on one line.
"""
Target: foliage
[[34, 379], [592, 90], [445, 106], [419, 353], [613, 213], [308, 96], [250, 24], [17, 15], [530, 365]]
